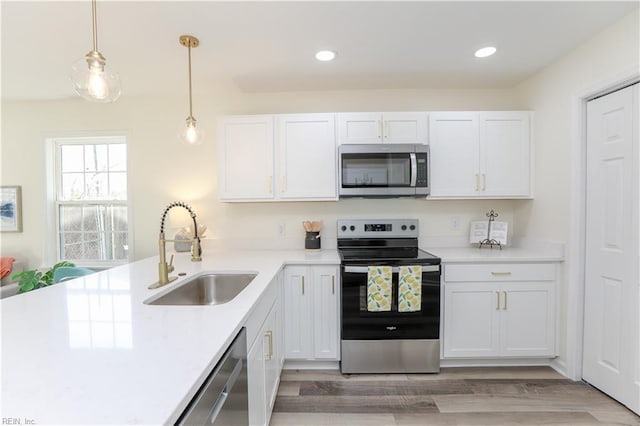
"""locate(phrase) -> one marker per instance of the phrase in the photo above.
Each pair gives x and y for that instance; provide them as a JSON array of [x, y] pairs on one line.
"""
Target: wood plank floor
[[456, 396]]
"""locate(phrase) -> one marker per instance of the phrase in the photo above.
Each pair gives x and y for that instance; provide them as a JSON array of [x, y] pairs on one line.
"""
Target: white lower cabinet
[[311, 315], [499, 310], [264, 364]]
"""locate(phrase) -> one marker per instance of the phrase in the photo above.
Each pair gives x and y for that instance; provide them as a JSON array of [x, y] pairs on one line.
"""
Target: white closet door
[[611, 334]]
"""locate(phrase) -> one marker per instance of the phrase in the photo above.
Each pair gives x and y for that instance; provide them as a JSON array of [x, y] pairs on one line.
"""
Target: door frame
[[577, 229]]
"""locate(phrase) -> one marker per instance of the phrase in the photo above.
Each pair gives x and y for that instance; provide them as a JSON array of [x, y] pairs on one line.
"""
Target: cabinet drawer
[[500, 272]]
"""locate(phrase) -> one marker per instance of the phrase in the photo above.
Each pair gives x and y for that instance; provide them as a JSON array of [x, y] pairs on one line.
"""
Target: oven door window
[[360, 324], [383, 170]]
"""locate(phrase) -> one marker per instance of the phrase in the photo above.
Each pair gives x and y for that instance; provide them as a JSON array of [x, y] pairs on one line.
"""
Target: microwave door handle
[[414, 170]]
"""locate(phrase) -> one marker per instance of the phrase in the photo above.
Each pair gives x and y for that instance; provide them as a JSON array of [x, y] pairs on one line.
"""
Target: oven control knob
[[404, 227], [343, 228], [353, 228], [412, 227]]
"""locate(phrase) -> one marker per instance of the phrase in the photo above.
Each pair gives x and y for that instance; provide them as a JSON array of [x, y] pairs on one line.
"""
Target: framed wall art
[[10, 209]]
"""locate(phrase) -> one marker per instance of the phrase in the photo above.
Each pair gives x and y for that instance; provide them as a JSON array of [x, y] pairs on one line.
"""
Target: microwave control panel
[[421, 178]]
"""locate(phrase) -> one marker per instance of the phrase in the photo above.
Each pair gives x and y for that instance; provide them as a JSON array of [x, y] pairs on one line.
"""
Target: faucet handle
[[170, 267]]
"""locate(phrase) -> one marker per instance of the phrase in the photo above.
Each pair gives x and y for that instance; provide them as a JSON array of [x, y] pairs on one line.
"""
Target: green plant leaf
[[32, 279], [48, 276]]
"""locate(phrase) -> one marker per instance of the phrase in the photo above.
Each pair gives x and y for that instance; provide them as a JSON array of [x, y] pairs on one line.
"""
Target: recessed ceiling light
[[325, 55], [485, 51]]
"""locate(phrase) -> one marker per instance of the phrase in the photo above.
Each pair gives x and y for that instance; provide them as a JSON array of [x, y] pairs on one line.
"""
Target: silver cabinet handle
[[379, 129], [303, 285], [477, 182], [484, 182], [269, 334], [497, 300], [333, 284], [385, 129], [505, 300], [500, 273]]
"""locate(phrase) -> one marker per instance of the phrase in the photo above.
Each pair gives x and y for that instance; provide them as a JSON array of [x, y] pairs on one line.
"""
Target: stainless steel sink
[[209, 289]]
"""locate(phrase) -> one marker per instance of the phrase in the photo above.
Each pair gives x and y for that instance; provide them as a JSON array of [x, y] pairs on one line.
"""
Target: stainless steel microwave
[[383, 170]]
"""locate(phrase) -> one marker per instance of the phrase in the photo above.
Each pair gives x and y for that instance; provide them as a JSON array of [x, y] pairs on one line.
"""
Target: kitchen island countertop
[[89, 351]]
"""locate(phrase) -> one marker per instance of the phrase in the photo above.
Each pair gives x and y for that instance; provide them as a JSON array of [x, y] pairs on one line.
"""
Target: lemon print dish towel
[[379, 288], [409, 288]]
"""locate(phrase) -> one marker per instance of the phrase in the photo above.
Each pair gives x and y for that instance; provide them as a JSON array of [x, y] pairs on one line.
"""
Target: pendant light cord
[[95, 25], [190, 101]]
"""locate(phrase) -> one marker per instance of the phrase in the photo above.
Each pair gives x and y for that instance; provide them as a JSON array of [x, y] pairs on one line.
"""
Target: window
[[92, 213]]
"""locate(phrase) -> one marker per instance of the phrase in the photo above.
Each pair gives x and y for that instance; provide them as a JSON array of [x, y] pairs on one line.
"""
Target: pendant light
[[89, 75], [191, 134]]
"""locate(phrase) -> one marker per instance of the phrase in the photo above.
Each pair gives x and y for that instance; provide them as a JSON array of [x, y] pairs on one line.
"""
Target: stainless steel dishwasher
[[223, 398]]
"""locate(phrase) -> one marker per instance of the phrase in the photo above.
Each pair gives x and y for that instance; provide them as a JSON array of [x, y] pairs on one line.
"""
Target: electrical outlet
[[282, 230], [455, 222]]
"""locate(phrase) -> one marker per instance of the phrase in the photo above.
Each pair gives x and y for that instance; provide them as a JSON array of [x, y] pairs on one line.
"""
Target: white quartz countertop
[[89, 351], [541, 253]]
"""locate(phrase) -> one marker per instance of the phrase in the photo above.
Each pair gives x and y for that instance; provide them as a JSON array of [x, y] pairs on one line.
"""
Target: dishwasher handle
[[226, 379], [228, 387]]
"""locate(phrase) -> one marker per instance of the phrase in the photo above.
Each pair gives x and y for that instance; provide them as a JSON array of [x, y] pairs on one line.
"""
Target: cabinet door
[[527, 324], [505, 150], [454, 142], [298, 313], [471, 327], [280, 321], [256, 383], [307, 156], [326, 327], [359, 128], [245, 157], [404, 127], [272, 364]]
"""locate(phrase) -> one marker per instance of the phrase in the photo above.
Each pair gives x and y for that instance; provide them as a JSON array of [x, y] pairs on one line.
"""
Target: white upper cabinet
[[382, 127], [307, 156], [245, 157], [480, 154], [455, 152], [277, 158], [505, 151]]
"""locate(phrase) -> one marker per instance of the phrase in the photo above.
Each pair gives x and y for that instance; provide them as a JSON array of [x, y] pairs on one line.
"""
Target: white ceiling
[[270, 46]]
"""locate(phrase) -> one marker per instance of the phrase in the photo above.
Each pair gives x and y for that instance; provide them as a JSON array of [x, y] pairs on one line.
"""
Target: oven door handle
[[395, 269]]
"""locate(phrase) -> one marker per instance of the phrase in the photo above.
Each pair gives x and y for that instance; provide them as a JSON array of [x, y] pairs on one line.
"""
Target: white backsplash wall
[[441, 221]]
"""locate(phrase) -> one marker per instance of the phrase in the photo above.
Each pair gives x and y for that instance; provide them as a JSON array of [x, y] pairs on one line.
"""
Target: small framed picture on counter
[[10, 209]]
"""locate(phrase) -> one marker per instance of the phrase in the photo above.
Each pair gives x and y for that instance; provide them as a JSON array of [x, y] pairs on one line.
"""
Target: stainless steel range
[[387, 337]]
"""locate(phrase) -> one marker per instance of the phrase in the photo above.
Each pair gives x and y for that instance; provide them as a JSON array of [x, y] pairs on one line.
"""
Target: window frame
[[55, 195]]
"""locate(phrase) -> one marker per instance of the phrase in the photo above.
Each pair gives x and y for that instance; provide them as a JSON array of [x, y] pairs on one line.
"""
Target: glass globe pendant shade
[[191, 134], [93, 81]]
